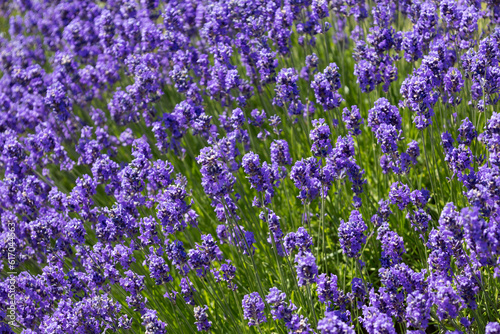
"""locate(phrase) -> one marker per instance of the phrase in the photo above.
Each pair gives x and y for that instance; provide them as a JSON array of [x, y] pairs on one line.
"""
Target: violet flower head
[[187, 291], [280, 153], [493, 328], [453, 83], [216, 177], [399, 194], [332, 324], [327, 288], [384, 113], [306, 176], [226, 273], [351, 234], [392, 246], [253, 309], [446, 299], [383, 213], [320, 137], [326, 86], [388, 136], [467, 132], [202, 323], [353, 120], [280, 310], [418, 310], [276, 234], [300, 240], [375, 321], [287, 91], [158, 269], [201, 257], [152, 323], [307, 270]]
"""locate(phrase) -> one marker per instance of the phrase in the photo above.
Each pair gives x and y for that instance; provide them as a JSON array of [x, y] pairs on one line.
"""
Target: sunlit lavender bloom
[[392, 246], [202, 323], [300, 240], [280, 153], [327, 288], [320, 137], [280, 310], [253, 309], [399, 194], [325, 86], [493, 328], [332, 324], [375, 321], [353, 120], [307, 270], [351, 234], [466, 132]]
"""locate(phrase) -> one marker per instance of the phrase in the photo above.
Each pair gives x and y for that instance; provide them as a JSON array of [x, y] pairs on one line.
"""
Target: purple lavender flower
[[353, 120], [400, 195], [418, 310], [383, 213], [453, 84], [320, 137], [392, 246], [306, 176], [467, 132], [158, 269], [217, 180], [187, 291], [200, 258], [280, 154], [351, 235], [384, 113], [419, 219], [287, 91], [413, 151], [326, 85], [226, 273], [375, 321], [446, 299], [327, 288], [253, 309], [493, 328], [152, 323], [300, 239], [307, 270], [202, 323], [279, 308], [176, 253], [276, 234], [332, 324], [388, 137], [310, 68]]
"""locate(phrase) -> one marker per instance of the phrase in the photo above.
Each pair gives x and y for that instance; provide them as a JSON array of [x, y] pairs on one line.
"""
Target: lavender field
[[250, 166]]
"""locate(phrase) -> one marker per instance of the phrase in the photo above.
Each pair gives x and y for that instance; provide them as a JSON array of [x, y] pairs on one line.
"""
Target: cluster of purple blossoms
[[326, 85], [253, 309], [287, 92], [320, 137], [351, 234], [385, 121], [332, 323], [275, 233], [280, 310], [353, 120], [202, 323]]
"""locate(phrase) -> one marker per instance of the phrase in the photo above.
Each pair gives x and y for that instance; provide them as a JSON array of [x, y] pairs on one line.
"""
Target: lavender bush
[[263, 166]]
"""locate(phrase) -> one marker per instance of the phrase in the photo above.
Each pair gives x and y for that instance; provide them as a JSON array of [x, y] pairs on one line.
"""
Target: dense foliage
[[245, 166]]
